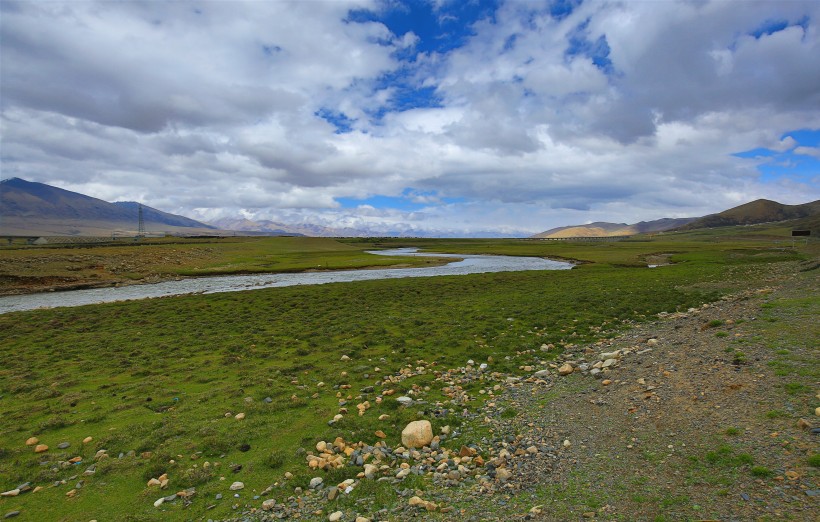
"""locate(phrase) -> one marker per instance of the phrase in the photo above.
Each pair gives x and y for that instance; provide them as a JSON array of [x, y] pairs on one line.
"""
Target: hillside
[[604, 229], [758, 211], [31, 208]]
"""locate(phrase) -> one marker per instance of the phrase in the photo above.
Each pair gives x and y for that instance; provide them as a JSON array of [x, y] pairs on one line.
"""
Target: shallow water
[[465, 264]]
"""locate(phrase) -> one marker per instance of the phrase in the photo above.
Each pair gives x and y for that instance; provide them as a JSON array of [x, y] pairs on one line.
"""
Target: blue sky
[[439, 117], [799, 162]]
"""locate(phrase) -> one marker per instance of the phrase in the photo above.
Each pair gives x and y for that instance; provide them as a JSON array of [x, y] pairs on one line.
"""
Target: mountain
[[30, 208], [758, 211], [604, 229]]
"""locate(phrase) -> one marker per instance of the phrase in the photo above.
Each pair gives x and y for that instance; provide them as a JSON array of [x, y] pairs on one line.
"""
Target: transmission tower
[[141, 224]]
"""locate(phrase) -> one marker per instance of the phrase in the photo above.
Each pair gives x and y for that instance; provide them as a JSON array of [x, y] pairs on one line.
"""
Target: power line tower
[[141, 224]]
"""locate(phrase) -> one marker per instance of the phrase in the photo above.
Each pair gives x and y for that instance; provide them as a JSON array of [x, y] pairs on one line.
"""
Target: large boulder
[[417, 434]]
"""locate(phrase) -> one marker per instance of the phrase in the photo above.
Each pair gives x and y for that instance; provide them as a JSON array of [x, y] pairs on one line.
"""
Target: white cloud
[[211, 109]]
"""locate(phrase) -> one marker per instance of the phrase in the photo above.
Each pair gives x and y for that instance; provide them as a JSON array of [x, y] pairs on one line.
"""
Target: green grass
[[167, 376]]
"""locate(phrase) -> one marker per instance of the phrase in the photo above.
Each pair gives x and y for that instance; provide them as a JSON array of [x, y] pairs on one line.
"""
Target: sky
[[427, 117]]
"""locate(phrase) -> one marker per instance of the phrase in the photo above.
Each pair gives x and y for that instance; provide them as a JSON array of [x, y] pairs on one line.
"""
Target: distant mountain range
[[758, 211], [30, 208], [604, 229]]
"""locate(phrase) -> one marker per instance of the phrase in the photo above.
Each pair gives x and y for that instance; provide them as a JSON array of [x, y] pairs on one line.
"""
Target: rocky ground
[[669, 421]]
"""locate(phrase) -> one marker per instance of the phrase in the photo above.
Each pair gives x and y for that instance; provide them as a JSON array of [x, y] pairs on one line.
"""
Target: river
[[464, 264]]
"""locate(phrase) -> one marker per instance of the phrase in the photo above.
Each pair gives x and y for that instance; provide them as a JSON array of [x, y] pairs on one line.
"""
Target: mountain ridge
[[33, 208]]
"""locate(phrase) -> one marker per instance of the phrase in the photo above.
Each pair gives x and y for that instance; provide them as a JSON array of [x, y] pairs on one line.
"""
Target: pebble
[[236, 486], [63, 445], [11, 514], [268, 504], [40, 448], [335, 516], [87, 440], [31, 441], [315, 482]]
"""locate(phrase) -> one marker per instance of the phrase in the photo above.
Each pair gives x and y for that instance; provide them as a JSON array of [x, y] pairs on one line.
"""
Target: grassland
[[25, 269], [167, 376]]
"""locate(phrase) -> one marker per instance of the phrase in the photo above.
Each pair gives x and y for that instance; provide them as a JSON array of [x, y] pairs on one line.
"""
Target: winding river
[[462, 265]]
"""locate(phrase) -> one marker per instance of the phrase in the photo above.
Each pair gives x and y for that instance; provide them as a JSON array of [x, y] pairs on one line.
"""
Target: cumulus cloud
[[531, 117]]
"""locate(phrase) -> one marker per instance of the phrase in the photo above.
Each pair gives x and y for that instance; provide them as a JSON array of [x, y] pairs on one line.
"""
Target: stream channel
[[464, 264]]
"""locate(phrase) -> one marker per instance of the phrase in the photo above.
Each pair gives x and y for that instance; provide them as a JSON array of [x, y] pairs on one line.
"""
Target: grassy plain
[[25, 268], [166, 376]]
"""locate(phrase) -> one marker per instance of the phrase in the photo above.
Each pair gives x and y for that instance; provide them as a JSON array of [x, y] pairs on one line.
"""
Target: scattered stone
[[370, 470], [609, 362], [40, 448], [565, 369], [11, 514], [63, 445], [158, 502], [404, 401], [236, 486], [239, 416], [315, 482], [540, 374], [503, 474], [567, 443], [31, 441], [803, 424], [71, 493], [335, 516], [153, 482], [11, 493], [380, 434], [268, 504], [87, 440], [417, 434]]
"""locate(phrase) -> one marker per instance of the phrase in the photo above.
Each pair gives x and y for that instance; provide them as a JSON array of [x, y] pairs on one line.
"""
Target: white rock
[[158, 502], [268, 504], [236, 486], [417, 434], [335, 516], [609, 362], [404, 400], [315, 482]]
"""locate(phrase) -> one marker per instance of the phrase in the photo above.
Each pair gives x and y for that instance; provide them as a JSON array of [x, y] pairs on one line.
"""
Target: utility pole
[[141, 223]]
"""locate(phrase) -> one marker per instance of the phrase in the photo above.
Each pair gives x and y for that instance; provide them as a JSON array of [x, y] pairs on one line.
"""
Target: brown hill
[[604, 229], [758, 211]]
